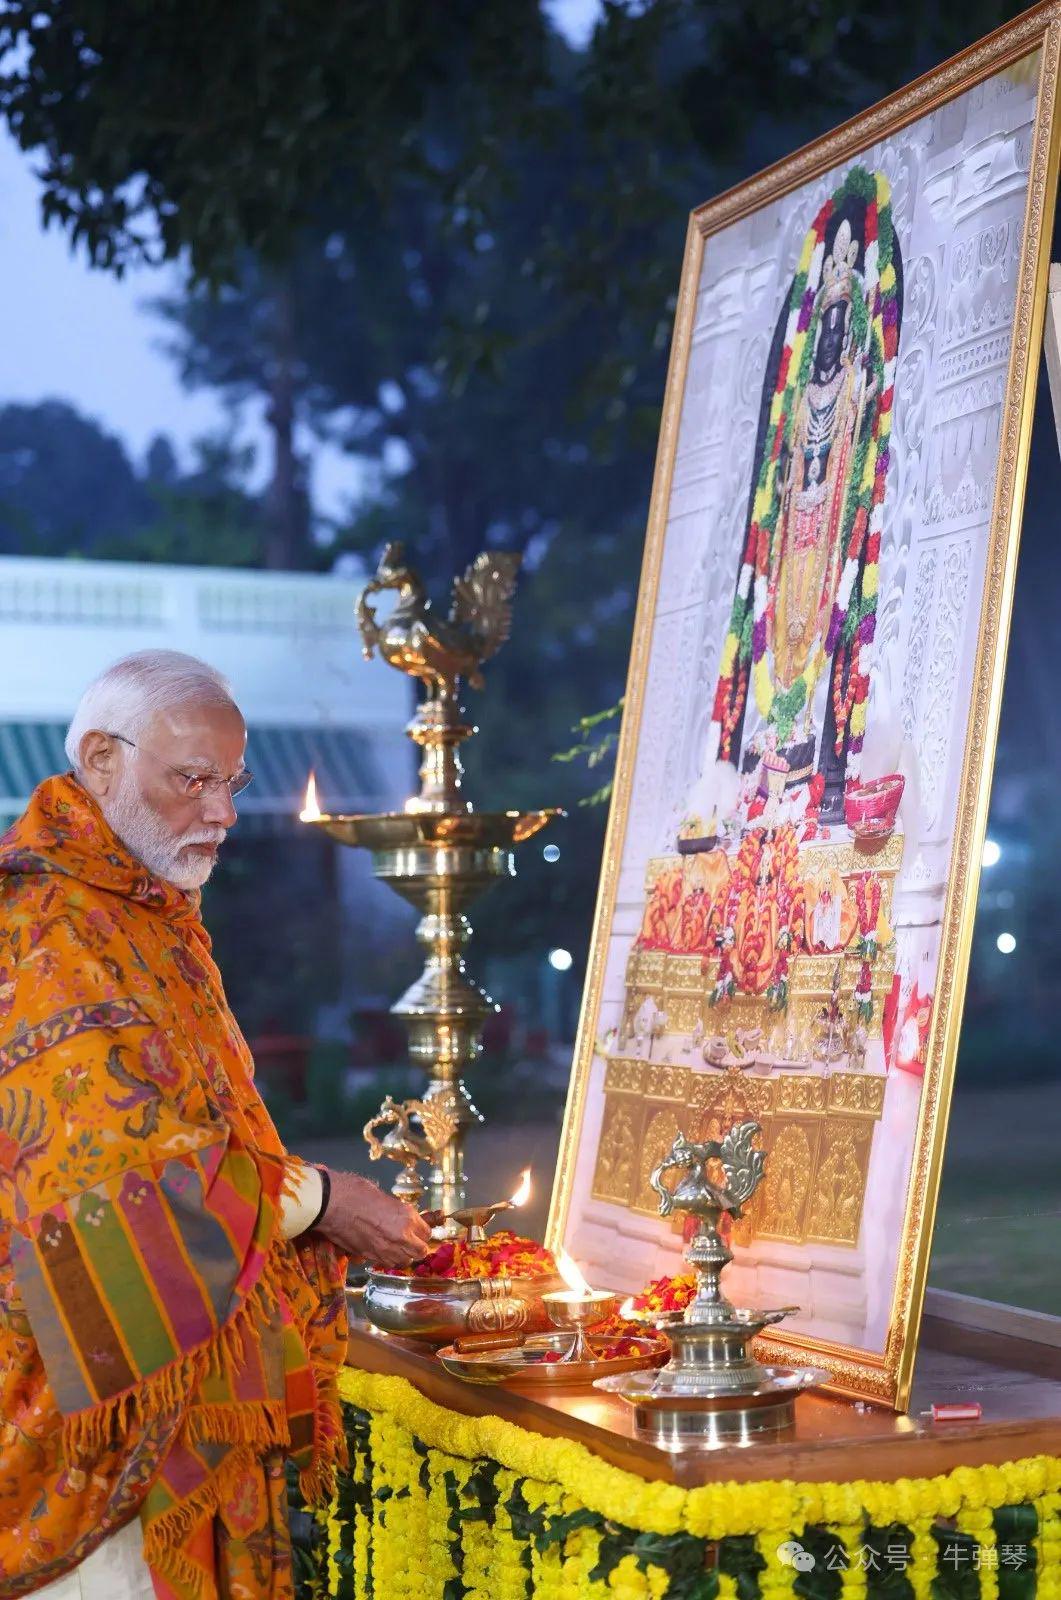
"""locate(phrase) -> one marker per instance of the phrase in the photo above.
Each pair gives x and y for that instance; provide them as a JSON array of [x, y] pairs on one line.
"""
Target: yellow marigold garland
[[922, 1568], [712, 1512], [1048, 1545], [775, 1580], [438, 1553], [979, 1523], [334, 1532], [449, 1487], [509, 1570]]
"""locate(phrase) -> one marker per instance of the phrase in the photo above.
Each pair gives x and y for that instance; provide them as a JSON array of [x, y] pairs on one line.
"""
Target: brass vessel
[[439, 1310]]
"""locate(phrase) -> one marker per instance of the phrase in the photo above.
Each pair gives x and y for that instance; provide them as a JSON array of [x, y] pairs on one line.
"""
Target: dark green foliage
[[63, 482], [69, 488], [216, 129]]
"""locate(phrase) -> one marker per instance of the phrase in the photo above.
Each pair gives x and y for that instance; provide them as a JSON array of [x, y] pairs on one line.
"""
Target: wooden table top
[[832, 1440]]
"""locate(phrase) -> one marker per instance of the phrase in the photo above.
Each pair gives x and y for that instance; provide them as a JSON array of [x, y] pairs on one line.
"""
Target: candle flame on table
[[311, 811], [572, 1276], [522, 1193]]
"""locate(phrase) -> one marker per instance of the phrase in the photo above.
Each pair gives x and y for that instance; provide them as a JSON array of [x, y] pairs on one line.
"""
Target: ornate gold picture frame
[[790, 873]]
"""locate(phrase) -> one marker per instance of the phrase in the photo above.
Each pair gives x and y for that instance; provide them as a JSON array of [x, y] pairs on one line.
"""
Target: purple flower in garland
[[836, 622], [867, 628], [856, 745], [891, 312], [805, 311], [759, 639]]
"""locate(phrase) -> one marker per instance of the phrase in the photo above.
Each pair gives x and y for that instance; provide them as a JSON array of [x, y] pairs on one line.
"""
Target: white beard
[[143, 832]]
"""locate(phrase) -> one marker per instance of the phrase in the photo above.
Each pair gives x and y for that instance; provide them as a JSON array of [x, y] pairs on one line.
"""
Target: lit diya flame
[[628, 1310], [475, 1218], [572, 1276], [311, 811], [577, 1308], [522, 1193]]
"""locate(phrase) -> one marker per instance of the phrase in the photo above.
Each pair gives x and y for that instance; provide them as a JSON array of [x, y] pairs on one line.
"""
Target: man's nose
[[218, 807]]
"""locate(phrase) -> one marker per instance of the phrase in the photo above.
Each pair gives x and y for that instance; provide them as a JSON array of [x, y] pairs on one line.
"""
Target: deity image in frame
[[812, 703], [798, 650]]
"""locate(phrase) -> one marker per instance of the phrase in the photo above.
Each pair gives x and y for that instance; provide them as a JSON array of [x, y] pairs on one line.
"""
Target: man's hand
[[371, 1226]]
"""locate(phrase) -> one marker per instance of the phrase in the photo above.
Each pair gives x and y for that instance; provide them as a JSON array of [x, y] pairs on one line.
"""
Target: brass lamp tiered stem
[[439, 853]]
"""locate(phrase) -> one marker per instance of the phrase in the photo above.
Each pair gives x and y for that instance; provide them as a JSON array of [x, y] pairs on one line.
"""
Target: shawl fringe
[[164, 1534], [261, 1423], [88, 1434], [319, 1480]]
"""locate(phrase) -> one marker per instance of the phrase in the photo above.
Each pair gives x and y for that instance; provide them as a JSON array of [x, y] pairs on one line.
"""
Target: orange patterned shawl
[[162, 1348]]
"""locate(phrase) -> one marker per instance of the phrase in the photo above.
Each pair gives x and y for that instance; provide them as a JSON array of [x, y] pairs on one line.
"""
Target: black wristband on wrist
[[326, 1194]]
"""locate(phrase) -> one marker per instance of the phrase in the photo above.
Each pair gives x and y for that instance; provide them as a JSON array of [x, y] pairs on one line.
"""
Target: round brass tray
[[522, 1363]]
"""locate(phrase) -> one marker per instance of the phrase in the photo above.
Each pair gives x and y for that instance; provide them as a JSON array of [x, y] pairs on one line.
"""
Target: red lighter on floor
[[956, 1411]]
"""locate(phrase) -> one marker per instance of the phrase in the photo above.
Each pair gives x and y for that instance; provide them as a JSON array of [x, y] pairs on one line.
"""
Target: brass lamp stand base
[[706, 1420]]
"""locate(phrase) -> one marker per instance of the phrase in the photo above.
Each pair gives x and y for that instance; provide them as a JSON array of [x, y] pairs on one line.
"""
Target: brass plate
[[779, 1382], [523, 1364]]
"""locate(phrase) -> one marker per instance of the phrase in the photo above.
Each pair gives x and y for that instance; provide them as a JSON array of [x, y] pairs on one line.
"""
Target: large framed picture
[[792, 859]]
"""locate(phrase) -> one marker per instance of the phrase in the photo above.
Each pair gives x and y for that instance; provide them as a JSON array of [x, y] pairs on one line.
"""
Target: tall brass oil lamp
[[439, 853]]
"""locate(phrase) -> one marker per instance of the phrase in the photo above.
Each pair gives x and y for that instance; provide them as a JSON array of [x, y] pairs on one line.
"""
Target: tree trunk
[[287, 532]]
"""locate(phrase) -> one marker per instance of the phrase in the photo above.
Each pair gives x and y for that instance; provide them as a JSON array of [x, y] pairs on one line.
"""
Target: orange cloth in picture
[[755, 947], [162, 1347], [704, 881], [662, 919], [765, 901]]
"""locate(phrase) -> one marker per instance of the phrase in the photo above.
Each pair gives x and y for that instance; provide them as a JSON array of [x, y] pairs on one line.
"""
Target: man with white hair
[[172, 1311]]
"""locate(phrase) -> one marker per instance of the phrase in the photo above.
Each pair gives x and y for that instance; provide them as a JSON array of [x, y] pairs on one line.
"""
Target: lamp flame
[[628, 1311], [522, 1193], [572, 1276], [311, 811]]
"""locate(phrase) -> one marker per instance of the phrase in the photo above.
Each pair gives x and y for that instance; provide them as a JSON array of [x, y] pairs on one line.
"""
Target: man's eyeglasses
[[194, 784]]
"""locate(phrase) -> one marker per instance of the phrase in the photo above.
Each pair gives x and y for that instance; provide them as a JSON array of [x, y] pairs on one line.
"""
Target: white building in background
[[287, 641]]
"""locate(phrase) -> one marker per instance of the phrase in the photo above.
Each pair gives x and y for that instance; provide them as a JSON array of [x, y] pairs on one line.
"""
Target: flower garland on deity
[[867, 902], [849, 634]]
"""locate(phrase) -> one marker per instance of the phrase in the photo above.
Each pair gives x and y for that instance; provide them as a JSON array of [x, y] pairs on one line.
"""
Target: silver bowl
[[439, 1310]]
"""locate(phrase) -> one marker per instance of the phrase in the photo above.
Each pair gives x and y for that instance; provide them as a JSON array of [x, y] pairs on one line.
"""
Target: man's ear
[[99, 763]]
